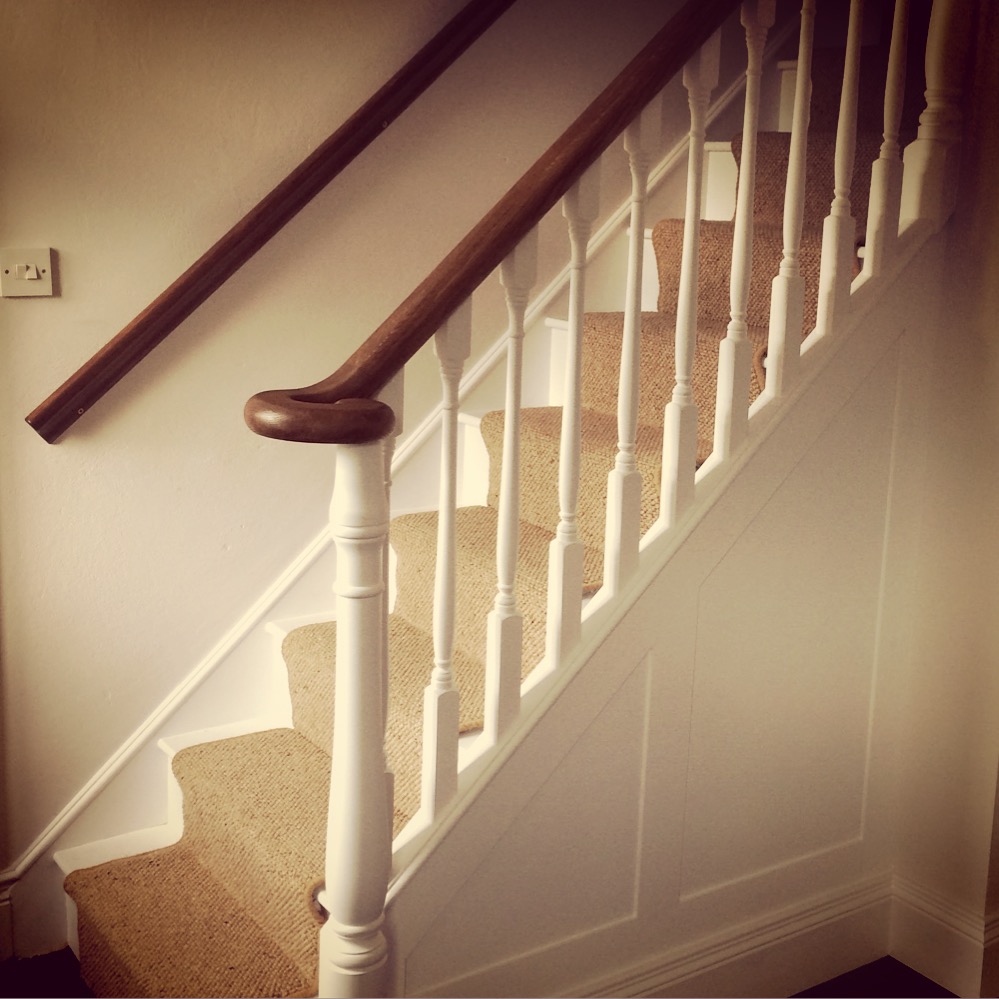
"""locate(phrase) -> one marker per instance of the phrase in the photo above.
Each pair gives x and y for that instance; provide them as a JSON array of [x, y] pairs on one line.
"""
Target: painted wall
[[132, 137]]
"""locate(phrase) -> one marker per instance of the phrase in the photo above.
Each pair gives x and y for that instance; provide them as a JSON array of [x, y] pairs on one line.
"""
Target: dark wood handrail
[[342, 409], [113, 361]]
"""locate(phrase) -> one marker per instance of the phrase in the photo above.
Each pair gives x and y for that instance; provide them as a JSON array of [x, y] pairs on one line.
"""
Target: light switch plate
[[25, 273]]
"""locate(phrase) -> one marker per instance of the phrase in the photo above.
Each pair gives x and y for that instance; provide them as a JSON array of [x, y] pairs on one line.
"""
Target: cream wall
[[131, 137]]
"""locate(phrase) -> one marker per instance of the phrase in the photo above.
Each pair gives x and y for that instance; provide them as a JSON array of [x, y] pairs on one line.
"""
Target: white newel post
[[929, 182], [624, 482], [352, 947], [839, 230], [565, 554], [700, 77], [787, 292], [886, 171], [452, 344], [735, 353], [505, 624]]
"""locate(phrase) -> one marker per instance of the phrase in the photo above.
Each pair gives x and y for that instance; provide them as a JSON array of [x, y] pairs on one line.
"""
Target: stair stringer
[[677, 886]]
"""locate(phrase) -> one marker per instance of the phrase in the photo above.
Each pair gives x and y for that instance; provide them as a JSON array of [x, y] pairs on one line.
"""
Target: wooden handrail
[[342, 409], [113, 361]]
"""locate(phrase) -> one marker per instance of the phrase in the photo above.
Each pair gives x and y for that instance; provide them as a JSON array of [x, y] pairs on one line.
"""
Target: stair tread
[[255, 810], [773, 149], [142, 942], [714, 301], [310, 653], [541, 426], [476, 528], [541, 431]]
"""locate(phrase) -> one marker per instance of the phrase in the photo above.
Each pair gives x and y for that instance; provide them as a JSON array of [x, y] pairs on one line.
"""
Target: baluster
[[735, 353], [839, 229], [505, 626], [929, 179], [452, 345], [352, 946], [565, 554], [886, 172], [700, 77], [624, 483], [787, 293]]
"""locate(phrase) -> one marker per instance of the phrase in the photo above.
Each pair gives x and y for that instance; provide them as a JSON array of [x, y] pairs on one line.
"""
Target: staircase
[[235, 906]]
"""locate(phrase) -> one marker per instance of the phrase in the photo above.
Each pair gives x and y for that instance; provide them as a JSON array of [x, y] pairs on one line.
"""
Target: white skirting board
[[800, 946], [6, 926], [781, 954], [939, 939]]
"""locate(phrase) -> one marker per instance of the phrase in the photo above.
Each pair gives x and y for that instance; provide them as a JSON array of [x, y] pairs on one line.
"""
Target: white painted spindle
[[700, 77], [929, 181], [352, 947], [886, 172], [505, 626], [839, 230], [624, 483], [735, 353], [565, 553], [452, 345], [787, 292]]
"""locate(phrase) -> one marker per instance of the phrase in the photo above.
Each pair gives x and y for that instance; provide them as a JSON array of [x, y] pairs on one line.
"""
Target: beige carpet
[[228, 910]]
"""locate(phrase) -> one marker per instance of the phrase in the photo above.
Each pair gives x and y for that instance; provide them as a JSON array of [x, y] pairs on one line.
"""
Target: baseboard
[[777, 954], [6, 924], [943, 941], [990, 955]]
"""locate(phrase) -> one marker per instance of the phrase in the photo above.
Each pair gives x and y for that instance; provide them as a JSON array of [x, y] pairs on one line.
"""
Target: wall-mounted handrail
[[113, 361], [342, 408]]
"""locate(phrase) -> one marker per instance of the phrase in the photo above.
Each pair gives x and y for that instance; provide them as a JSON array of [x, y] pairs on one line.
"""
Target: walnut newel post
[[352, 947]]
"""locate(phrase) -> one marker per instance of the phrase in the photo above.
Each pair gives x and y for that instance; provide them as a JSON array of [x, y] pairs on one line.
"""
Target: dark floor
[[885, 977], [57, 975], [54, 975]]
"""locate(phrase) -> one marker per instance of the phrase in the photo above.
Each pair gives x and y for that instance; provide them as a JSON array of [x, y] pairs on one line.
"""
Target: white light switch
[[25, 273]]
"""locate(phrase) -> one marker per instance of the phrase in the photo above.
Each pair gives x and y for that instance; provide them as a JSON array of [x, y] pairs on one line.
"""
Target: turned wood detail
[[505, 623], [452, 344], [624, 481], [735, 352], [839, 227], [565, 562], [787, 294], [700, 77], [886, 171], [929, 183], [353, 949]]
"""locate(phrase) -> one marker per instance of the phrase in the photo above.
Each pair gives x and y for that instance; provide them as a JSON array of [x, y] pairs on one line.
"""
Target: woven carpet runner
[[228, 910]]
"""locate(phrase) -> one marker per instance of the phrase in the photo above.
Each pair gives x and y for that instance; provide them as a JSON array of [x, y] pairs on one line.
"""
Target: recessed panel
[[571, 858], [784, 664]]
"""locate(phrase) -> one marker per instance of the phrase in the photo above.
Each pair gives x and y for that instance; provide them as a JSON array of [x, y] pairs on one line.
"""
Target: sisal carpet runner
[[227, 911]]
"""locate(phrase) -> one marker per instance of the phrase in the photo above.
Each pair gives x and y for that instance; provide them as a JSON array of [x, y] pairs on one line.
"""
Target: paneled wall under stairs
[[730, 753]]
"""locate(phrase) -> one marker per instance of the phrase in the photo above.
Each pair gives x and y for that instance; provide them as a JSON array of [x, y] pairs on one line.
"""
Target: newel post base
[[352, 948], [352, 961]]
